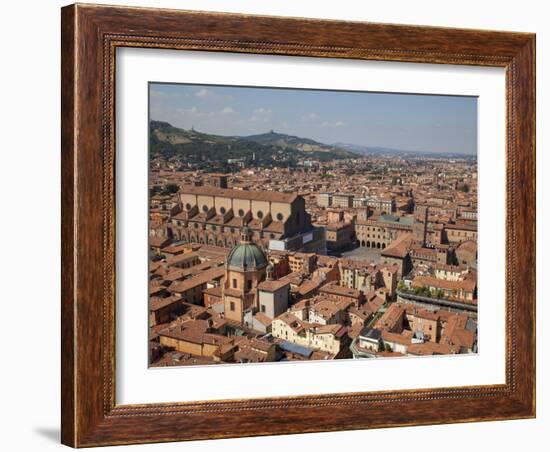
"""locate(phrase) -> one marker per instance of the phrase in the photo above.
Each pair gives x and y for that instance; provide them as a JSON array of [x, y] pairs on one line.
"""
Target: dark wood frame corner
[[90, 36]]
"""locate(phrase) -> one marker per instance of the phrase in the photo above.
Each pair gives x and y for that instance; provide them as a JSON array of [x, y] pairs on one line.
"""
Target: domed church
[[246, 267]]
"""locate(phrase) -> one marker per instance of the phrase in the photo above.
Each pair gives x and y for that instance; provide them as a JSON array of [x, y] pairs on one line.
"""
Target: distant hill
[[205, 150], [302, 144]]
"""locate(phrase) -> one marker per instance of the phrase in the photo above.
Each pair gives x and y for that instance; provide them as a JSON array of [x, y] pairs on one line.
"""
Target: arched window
[[222, 210], [280, 216], [241, 213], [205, 208], [260, 214], [188, 206]]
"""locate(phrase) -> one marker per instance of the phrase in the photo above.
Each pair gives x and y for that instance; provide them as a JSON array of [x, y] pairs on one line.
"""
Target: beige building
[[462, 232], [342, 200], [379, 233], [301, 262], [327, 338], [361, 275], [324, 200]]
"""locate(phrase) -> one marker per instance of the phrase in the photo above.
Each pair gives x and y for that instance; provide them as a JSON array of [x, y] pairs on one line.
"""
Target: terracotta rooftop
[[272, 286], [272, 196], [430, 281], [200, 279], [399, 247], [157, 303], [334, 289]]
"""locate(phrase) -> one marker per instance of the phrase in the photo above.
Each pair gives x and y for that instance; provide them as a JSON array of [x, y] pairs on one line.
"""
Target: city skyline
[[440, 123], [270, 247]]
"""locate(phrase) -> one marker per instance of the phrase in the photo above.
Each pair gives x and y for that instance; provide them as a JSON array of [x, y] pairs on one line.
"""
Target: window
[[241, 213], [280, 217], [231, 306], [249, 284], [205, 208], [222, 210], [260, 214], [188, 206], [262, 308], [234, 283]]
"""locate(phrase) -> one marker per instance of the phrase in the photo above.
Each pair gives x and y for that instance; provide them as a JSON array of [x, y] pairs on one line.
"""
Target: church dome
[[247, 255]]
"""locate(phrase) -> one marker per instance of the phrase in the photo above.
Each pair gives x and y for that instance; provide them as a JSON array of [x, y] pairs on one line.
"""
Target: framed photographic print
[[281, 225]]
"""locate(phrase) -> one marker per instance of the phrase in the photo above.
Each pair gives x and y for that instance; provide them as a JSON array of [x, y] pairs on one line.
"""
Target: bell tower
[[245, 269]]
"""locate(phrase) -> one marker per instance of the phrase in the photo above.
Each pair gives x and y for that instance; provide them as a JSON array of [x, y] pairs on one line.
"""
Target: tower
[[420, 228]]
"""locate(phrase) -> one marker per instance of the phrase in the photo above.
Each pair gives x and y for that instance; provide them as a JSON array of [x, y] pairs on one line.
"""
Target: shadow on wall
[[50, 433]]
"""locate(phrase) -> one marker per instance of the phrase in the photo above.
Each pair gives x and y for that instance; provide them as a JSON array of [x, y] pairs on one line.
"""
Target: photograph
[[294, 224]]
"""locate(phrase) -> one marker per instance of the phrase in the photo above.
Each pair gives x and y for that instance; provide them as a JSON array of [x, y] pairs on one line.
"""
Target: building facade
[[214, 216]]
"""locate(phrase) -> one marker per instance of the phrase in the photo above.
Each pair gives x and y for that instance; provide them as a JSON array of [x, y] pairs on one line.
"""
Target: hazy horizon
[[415, 122]]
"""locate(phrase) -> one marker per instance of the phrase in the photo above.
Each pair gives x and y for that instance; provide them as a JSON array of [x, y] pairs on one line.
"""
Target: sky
[[428, 123]]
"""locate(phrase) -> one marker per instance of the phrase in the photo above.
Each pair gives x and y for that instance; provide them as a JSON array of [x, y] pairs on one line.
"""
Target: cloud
[[202, 92], [262, 111], [332, 124], [154, 94], [309, 117], [193, 111]]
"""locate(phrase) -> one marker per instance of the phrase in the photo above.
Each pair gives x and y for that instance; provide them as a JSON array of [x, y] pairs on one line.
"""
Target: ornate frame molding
[[90, 36]]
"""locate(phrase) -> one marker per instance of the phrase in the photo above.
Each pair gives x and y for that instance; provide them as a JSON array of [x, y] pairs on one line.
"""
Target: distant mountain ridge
[[269, 148], [290, 141]]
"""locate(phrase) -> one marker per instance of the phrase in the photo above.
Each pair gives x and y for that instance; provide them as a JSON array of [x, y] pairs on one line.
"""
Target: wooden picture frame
[[90, 36]]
